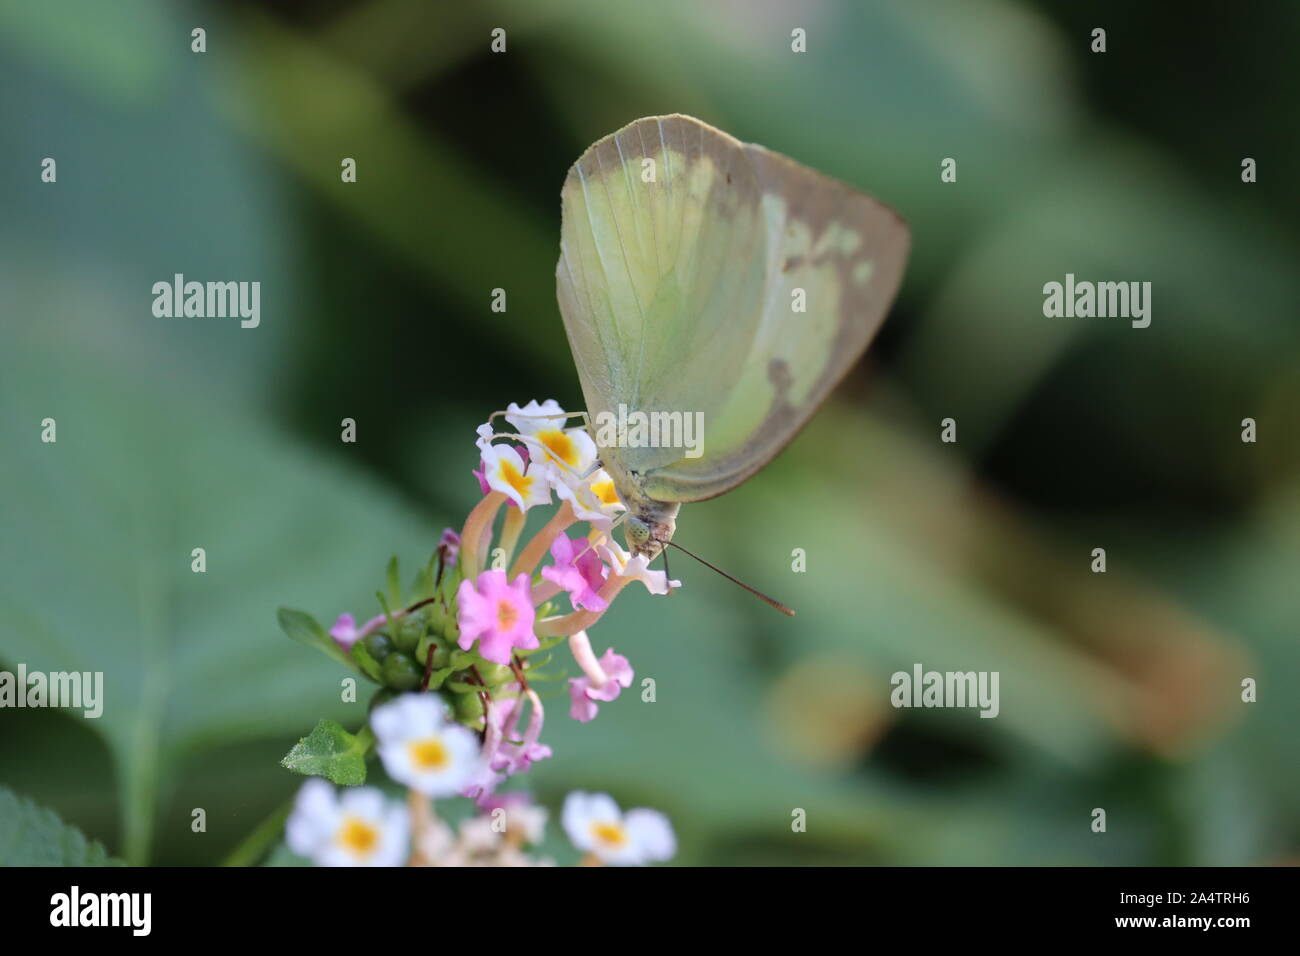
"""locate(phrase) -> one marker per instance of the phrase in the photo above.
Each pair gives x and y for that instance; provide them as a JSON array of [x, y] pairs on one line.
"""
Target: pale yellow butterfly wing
[[678, 294], [642, 262]]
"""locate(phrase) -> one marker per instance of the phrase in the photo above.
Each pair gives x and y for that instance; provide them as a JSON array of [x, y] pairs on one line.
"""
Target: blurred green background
[[1118, 690]]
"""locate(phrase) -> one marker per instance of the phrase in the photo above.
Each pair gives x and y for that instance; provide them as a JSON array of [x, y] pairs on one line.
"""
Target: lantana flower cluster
[[456, 659]]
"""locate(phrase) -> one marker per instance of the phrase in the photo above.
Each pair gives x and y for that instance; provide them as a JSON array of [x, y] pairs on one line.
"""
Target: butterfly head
[[649, 534]]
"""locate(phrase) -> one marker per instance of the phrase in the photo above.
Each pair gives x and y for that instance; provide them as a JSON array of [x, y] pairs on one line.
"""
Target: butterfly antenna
[[754, 591], [668, 575]]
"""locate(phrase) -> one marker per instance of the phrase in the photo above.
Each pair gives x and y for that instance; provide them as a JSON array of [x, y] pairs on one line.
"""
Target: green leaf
[[462, 659], [331, 752], [193, 663], [437, 677], [31, 835], [390, 622], [394, 592], [305, 629], [366, 662], [461, 687], [543, 644], [424, 585]]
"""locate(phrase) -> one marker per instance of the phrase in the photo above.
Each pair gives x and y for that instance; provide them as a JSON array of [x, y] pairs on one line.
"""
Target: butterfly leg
[[586, 418], [606, 535]]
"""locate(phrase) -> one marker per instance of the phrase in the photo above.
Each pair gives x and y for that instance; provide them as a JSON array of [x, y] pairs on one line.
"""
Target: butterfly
[[701, 276]]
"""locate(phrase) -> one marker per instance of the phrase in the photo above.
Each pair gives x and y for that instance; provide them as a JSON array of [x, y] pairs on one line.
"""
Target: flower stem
[[518, 668], [585, 658], [421, 823], [511, 528], [471, 536], [536, 549], [570, 624], [255, 846], [544, 592]]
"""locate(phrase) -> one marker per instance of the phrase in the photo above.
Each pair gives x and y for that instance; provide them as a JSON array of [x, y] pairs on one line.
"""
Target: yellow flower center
[[560, 445], [507, 615], [428, 754], [604, 491], [610, 834], [358, 837], [515, 478]]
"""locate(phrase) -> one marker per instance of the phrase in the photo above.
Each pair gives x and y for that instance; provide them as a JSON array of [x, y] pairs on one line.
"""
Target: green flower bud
[[468, 707], [401, 672], [441, 654], [495, 675], [437, 617], [409, 631], [378, 646], [381, 697]]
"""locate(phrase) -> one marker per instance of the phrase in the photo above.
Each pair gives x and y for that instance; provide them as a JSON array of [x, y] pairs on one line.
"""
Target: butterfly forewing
[[700, 274]]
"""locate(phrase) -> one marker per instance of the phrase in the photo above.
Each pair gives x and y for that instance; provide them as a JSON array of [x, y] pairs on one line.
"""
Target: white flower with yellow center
[[360, 828], [535, 416], [570, 450], [597, 826], [504, 471], [422, 749], [593, 500]]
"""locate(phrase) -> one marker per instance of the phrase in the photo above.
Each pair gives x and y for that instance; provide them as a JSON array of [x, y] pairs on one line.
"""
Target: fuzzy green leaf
[[331, 752], [31, 835]]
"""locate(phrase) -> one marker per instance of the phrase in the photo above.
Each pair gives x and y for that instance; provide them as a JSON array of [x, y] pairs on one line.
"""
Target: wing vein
[[595, 241], [627, 267]]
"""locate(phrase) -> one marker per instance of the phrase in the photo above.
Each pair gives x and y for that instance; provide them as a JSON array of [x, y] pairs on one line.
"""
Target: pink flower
[[346, 633], [579, 571], [497, 614], [602, 680], [449, 545], [511, 758], [501, 757], [507, 801], [484, 784]]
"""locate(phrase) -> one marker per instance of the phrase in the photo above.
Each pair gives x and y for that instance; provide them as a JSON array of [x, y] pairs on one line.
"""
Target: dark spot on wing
[[791, 263], [778, 373]]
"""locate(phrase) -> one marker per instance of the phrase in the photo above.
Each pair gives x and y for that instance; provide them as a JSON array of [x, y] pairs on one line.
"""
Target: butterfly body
[[649, 524], [702, 276]]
